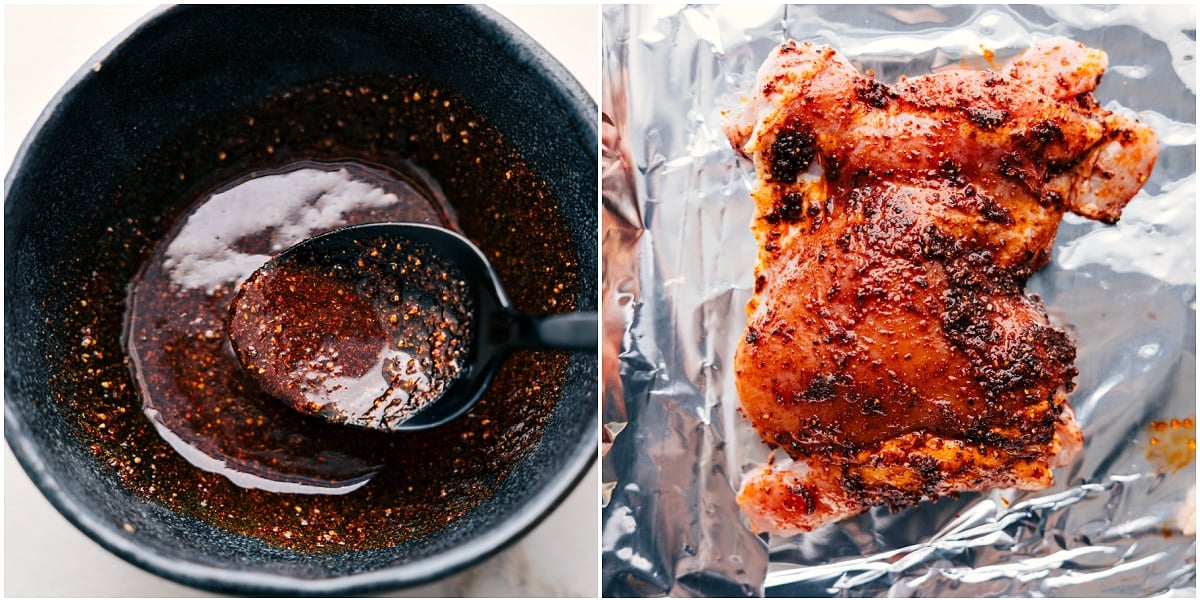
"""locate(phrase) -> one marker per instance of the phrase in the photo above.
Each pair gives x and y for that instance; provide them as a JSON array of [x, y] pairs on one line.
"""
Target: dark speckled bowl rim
[[419, 572]]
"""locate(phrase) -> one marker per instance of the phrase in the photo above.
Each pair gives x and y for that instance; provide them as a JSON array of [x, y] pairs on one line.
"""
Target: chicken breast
[[890, 349]]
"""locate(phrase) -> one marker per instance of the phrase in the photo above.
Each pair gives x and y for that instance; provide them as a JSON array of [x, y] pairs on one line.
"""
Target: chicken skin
[[890, 350]]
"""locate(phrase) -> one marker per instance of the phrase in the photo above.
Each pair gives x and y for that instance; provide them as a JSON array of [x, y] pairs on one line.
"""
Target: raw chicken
[[891, 351]]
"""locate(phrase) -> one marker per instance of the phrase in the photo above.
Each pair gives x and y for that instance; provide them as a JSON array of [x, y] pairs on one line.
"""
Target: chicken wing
[[890, 349]]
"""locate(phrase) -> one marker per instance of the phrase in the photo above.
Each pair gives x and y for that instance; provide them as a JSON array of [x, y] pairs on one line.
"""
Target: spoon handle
[[569, 331]]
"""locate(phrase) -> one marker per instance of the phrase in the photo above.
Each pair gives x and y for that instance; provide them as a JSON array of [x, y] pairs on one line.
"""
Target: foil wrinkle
[[678, 256]]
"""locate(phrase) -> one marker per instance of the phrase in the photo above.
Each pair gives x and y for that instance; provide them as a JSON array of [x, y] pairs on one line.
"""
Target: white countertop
[[44, 555]]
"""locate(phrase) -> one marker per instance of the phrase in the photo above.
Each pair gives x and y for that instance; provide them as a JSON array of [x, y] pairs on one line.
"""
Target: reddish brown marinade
[[1172, 444], [180, 398]]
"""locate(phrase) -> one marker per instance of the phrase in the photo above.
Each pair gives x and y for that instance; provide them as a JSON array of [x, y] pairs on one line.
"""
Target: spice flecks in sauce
[[425, 479], [192, 386], [366, 333]]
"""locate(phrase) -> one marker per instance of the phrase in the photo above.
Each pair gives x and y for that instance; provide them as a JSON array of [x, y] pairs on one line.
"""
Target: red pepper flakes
[[324, 335]]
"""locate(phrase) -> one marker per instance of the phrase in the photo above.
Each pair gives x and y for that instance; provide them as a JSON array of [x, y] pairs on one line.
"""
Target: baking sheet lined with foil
[[678, 259]]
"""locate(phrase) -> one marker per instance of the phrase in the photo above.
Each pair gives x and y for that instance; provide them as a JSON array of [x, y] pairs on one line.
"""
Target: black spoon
[[389, 326]]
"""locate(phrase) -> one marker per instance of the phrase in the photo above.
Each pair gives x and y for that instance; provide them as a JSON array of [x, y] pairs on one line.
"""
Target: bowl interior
[[188, 65]]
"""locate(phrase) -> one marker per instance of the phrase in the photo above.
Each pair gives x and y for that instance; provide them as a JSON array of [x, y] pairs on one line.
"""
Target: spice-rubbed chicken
[[890, 348]]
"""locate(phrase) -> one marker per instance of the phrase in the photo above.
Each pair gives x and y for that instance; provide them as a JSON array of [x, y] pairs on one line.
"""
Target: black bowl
[[184, 66]]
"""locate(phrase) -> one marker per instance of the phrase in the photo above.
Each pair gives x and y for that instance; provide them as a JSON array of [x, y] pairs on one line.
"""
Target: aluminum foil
[[678, 256]]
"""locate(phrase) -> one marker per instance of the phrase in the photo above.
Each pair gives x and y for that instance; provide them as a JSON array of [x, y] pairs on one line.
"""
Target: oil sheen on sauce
[[141, 360], [193, 387]]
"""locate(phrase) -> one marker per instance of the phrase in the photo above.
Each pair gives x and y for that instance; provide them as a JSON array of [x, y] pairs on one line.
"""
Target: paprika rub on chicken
[[891, 351]]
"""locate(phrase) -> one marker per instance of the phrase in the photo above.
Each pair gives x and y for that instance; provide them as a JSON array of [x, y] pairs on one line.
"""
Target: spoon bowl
[[388, 326]]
